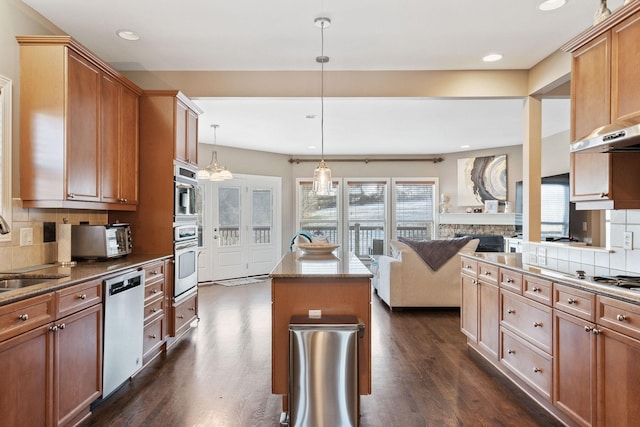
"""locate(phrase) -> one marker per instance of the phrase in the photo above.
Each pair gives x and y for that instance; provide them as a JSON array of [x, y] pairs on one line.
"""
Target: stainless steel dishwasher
[[123, 329]]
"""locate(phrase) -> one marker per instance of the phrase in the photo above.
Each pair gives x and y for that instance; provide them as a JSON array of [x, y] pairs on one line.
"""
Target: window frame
[[5, 153], [436, 197]]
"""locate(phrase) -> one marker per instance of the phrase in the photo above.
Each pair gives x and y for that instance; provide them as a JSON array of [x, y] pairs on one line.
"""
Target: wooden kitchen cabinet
[[469, 298], [85, 154], [489, 313], [186, 144], [184, 312], [154, 310]]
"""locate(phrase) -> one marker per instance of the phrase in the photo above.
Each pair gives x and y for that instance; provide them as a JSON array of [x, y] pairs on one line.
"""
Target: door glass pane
[[319, 214], [366, 212], [262, 216], [229, 215], [414, 210]]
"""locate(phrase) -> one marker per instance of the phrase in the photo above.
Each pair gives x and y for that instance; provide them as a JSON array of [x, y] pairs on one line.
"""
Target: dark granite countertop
[[67, 276], [513, 261]]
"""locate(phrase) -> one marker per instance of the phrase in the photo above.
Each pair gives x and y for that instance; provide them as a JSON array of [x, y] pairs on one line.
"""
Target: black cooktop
[[628, 282]]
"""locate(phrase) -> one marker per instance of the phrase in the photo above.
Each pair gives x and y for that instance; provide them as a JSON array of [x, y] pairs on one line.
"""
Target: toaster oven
[[100, 241]]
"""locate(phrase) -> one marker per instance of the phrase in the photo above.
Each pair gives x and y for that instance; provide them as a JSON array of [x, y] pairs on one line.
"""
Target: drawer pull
[[604, 195], [511, 351], [509, 280], [511, 311], [154, 272], [23, 317], [487, 273], [572, 301], [53, 328], [595, 331], [468, 267], [192, 308], [180, 316], [588, 328], [153, 337], [621, 317], [534, 289], [537, 324], [536, 370], [82, 297], [153, 310], [154, 291], [61, 326]]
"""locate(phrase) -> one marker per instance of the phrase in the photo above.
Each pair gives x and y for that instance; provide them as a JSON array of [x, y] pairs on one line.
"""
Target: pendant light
[[322, 183], [214, 172]]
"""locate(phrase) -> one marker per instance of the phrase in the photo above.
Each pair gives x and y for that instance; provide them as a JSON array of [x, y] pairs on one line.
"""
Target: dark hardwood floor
[[220, 374]]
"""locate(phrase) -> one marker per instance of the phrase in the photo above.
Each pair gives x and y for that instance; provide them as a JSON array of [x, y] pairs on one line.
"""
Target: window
[[554, 215], [262, 218], [319, 215], [414, 209], [373, 212], [5, 153]]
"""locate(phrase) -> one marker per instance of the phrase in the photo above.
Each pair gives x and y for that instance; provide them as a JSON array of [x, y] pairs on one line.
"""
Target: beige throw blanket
[[436, 252]]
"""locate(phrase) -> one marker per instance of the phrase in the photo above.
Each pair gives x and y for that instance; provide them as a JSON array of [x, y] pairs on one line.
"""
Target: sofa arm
[[389, 271]]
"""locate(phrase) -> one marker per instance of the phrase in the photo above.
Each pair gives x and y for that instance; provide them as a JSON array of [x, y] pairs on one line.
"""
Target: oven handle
[[186, 244]]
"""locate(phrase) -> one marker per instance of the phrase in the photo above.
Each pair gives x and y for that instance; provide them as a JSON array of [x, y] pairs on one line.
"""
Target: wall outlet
[[627, 240], [26, 236], [315, 314]]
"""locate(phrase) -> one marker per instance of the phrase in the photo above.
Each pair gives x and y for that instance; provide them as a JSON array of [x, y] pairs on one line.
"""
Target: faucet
[[4, 227]]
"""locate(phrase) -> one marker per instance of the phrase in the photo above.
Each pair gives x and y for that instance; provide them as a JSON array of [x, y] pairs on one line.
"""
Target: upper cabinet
[[186, 125], [78, 128], [605, 89]]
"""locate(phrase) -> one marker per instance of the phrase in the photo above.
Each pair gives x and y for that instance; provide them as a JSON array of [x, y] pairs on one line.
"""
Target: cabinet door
[[109, 137], [25, 388], [489, 318], [83, 156], [469, 308], [128, 148], [618, 379], [181, 131], [77, 363], [590, 176], [192, 137], [625, 63], [574, 368], [590, 87]]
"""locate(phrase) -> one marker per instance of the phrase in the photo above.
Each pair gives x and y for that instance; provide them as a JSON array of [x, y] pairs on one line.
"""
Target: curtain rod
[[408, 159]]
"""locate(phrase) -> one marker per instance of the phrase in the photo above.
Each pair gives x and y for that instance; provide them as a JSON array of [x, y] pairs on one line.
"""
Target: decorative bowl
[[317, 247]]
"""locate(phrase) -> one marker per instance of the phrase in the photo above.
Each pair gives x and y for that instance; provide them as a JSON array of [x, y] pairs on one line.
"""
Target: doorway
[[240, 227]]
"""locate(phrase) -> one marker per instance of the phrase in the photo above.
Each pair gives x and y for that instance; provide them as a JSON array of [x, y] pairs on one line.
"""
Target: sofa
[[403, 279]]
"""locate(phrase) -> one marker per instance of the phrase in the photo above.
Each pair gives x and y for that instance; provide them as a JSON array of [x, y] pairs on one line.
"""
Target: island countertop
[[338, 265]]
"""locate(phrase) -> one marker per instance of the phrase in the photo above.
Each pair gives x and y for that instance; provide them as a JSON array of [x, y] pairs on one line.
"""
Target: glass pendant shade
[[214, 172], [322, 183]]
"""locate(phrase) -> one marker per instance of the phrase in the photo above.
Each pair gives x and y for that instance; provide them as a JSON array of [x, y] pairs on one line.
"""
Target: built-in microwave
[[185, 194]]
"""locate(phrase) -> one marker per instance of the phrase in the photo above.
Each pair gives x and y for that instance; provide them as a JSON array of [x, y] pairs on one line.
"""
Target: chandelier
[[213, 171], [322, 183]]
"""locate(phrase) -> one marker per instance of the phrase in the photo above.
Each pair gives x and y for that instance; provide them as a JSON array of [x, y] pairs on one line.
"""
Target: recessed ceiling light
[[311, 147], [310, 116], [465, 146], [548, 5], [128, 35], [492, 57]]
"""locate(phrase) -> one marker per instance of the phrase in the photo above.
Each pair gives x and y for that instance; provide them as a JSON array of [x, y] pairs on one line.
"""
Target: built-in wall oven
[[185, 253], [186, 186]]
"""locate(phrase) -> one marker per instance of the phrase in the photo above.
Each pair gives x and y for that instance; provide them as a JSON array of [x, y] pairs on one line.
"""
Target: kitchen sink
[[10, 284]]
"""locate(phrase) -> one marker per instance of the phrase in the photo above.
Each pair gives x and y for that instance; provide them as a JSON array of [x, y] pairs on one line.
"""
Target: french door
[[241, 227]]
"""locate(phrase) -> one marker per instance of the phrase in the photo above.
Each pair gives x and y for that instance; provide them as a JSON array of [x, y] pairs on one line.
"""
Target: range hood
[[616, 137]]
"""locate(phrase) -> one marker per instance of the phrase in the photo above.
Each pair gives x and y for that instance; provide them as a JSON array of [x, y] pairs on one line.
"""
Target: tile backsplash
[[593, 261], [13, 256]]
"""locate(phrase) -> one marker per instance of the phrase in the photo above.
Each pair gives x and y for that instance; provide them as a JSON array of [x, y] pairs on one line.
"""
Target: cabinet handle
[[153, 310], [180, 316], [534, 289], [23, 317], [511, 351], [621, 317], [604, 195], [474, 281], [487, 273], [61, 326], [70, 196], [154, 272], [536, 370], [509, 280], [154, 291], [511, 311], [82, 297], [192, 308], [537, 324], [572, 301], [153, 337], [53, 328], [588, 328], [122, 200], [595, 331]]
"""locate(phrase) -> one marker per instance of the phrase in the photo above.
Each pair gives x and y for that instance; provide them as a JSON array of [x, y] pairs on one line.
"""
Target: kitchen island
[[335, 284]]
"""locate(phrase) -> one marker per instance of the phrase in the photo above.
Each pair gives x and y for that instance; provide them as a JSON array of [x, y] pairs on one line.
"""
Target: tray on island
[[316, 248]]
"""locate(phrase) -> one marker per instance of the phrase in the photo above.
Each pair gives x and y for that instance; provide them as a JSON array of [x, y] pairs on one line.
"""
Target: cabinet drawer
[[153, 309], [488, 273], [185, 313], [574, 301], [620, 316], [153, 289], [537, 289], [527, 362], [511, 280], [77, 297], [531, 320], [25, 315], [153, 336], [153, 272], [469, 266]]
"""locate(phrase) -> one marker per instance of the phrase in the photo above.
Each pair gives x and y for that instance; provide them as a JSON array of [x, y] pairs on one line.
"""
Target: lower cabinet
[[489, 318], [185, 312], [469, 308]]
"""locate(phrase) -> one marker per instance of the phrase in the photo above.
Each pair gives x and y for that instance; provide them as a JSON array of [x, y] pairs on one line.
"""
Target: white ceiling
[[365, 35]]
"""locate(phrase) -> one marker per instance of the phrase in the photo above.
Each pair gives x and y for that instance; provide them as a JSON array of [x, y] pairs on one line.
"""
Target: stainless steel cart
[[323, 371]]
